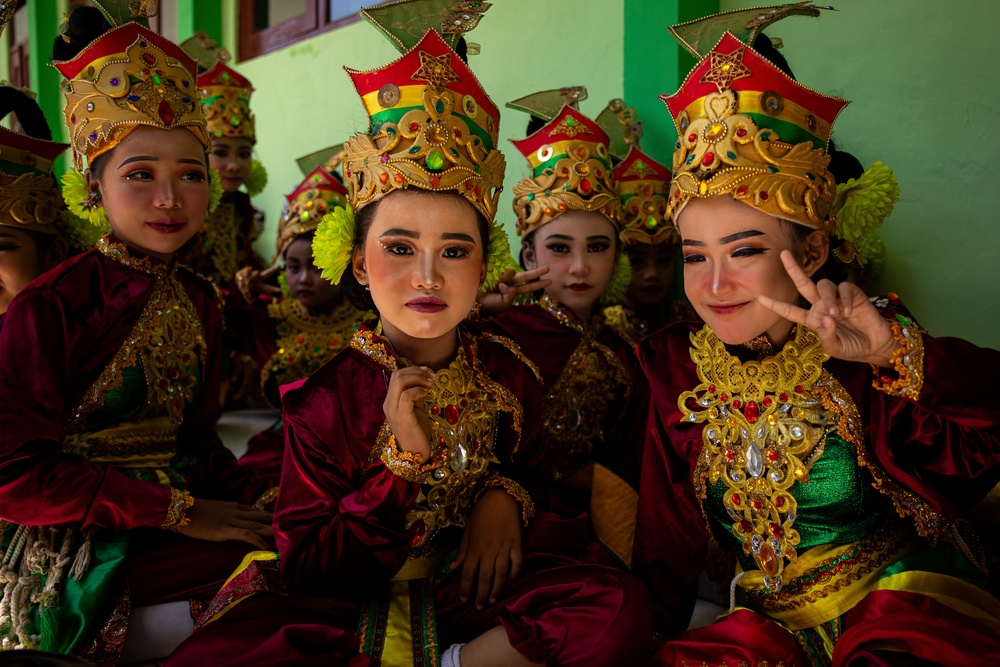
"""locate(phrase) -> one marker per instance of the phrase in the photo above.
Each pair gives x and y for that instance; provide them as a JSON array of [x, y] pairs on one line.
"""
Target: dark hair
[[356, 293], [84, 25]]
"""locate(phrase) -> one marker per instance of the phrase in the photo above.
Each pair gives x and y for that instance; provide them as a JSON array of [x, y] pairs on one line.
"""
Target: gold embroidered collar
[[567, 317], [765, 425], [119, 252]]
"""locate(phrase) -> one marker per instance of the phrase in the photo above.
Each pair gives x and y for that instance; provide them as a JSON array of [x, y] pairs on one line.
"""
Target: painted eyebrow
[[410, 234], [726, 239], [599, 237], [153, 158], [562, 237]]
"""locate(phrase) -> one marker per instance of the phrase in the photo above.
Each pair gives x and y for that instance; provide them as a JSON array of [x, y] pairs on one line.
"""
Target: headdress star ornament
[[436, 70], [725, 69]]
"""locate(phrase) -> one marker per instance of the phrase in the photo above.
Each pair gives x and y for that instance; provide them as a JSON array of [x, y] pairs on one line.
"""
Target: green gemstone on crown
[[435, 160]]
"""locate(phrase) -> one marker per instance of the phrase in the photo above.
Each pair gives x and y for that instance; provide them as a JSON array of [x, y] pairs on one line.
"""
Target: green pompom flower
[[862, 204], [81, 234], [75, 192], [257, 180], [621, 278], [499, 258], [214, 189], [871, 251], [333, 243], [286, 291]]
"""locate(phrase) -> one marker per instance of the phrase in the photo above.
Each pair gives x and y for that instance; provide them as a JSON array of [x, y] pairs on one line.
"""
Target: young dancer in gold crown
[[115, 491], [407, 478], [569, 214], [828, 444], [226, 243], [295, 335], [31, 205]]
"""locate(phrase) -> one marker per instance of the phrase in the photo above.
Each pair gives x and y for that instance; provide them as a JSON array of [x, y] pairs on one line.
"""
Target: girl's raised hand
[[846, 322], [258, 284], [404, 409], [510, 286]]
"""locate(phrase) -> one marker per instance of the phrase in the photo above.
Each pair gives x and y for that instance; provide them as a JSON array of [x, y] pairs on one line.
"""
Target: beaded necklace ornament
[[765, 426]]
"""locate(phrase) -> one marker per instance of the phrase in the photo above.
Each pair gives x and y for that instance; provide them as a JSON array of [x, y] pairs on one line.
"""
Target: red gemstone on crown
[[763, 196], [723, 397], [149, 59], [585, 186], [708, 159], [752, 412], [767, 401], [711, 388], [451, 414], [435, 181], [736, 500], [741, 132], [783, 397], [435, 409], [736, 404], [742, 191], [777, 530], [166, 112], [746, 526], [779, 501], [692, 137], [773, 455], [799, 389]]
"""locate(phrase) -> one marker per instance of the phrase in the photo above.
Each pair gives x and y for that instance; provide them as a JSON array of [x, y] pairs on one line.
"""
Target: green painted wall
[[923, 76]]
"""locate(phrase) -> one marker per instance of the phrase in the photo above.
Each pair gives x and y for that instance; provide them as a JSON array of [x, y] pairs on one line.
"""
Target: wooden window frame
[[313, 21]]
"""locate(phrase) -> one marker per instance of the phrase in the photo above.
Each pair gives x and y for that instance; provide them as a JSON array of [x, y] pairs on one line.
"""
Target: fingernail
[[463, 599], [479, 606]]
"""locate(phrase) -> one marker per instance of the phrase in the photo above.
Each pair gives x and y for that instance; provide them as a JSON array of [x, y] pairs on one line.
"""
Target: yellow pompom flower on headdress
[[76, 194], [214, 189], [257, 180], [862, 204], [621, 278], [333, 243], [499, 257]]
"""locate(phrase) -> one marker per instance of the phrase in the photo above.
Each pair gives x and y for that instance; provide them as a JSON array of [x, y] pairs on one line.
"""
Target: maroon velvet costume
[[341, 526], [57, 337], [942, 451]]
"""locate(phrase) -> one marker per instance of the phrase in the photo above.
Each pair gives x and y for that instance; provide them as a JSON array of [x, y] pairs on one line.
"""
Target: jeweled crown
[[748, 129], [644, 184], [225, 101], [318, 194], [432, 127], [29, 195], [126, 78], [571, 170]]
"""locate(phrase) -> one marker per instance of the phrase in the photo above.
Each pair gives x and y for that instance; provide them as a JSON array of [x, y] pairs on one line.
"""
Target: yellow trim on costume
[[398, 648], [836, 596], [749, 102], [963, 597], [419, 568], [613, 505], [251, 557]]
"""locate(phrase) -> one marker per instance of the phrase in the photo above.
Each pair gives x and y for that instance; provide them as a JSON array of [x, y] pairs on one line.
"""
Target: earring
[[368, 288], [92, 200]]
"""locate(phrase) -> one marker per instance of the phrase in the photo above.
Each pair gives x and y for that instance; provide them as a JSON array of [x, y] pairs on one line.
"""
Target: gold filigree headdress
[[571, 170], [127, 78], [432, 125], [748, 129], [318, 194], [645, 186], [29, 195]]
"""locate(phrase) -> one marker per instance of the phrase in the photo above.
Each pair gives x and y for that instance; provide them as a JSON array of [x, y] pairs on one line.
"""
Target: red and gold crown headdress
[[29, 194], [128, 77], [748, 129], [570, 170], [432, 125], [644, 184], [318, 194], [225, 93]]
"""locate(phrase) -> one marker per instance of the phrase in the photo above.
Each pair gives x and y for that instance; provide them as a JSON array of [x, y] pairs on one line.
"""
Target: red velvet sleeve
[[212, 468], [945, 446], [671, 536], [340, 520], [49, 335]]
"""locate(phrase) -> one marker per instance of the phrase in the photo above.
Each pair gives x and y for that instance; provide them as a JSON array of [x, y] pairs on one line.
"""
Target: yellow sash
[[398, 650]]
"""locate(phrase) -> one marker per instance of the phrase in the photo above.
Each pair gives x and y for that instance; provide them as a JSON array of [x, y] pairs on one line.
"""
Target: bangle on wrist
[[180, 503]]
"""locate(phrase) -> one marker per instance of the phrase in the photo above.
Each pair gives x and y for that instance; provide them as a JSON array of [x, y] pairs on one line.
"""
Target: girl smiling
[[111, 436]]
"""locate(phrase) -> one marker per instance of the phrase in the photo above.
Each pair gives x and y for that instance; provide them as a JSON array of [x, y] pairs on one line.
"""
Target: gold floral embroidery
[[515, 490], [369, 343], [908, 361], [576, 406], [407, 465], [167, 341], [180, 502], [218, 241], [626, 323], [306, 341], [764, 430]]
